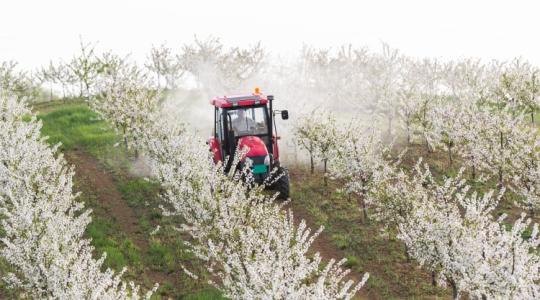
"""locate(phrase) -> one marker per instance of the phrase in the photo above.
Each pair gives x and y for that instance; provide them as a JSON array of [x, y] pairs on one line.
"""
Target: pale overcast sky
[[33, 32]]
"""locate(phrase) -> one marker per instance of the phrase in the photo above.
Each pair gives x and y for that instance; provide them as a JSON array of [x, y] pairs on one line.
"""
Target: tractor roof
[[239, 100]]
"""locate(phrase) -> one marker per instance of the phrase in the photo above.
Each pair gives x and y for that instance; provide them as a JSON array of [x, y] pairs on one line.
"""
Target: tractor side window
[[259, 116], [219, 125]]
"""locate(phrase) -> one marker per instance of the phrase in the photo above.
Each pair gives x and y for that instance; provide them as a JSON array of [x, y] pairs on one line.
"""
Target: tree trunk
[[325, 179], [454, 290], [408, 135], [433, 278], [500, 167], [87, 91], [64, 93], [364, 210], [295, 154], [407, 255], [389, 126], [428, 147], [312, 163], [450, 161], [125, 139]]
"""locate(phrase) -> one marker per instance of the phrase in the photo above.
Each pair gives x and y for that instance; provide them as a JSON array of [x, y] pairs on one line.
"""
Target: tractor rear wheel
[[282, 184]]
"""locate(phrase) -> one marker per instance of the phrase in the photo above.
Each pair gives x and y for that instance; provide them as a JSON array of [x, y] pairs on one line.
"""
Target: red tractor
[[247, 121]]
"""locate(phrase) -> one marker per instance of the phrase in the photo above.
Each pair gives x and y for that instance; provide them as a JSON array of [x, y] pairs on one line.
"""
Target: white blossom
[[452, 233], [43, 223]]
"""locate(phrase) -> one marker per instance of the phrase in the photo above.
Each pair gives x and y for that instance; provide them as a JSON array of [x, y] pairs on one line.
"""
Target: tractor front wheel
[[282, 184]]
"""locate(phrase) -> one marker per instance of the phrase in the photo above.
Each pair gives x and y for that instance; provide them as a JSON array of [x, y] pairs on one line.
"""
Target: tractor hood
[[257, 154], [254, 144]]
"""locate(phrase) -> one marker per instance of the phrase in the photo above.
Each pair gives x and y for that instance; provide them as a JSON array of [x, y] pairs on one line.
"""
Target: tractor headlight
[[267, 160]]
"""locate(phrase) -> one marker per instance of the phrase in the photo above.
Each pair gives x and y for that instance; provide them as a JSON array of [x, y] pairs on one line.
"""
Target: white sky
[[33, 32]]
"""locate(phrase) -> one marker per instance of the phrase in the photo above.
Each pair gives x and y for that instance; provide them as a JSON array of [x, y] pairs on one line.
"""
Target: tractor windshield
[[249, 121]]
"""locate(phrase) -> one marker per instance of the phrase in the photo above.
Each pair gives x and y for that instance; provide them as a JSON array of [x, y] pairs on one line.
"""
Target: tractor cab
[[246, 122]]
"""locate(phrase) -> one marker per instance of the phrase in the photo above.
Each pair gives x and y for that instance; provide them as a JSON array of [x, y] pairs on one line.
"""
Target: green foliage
[[352, 261], [527, 233]]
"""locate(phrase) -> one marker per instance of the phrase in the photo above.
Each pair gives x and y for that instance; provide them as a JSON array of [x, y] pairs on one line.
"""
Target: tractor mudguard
[[215, 148]]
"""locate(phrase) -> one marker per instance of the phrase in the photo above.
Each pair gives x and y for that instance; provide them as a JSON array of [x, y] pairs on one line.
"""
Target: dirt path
[[101, 184]]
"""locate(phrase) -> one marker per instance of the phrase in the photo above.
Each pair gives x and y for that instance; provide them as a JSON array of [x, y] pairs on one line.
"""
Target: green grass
[[208, 294], [120, 250], [352, 261], [161, 256], [76, 126], [137, 191]]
